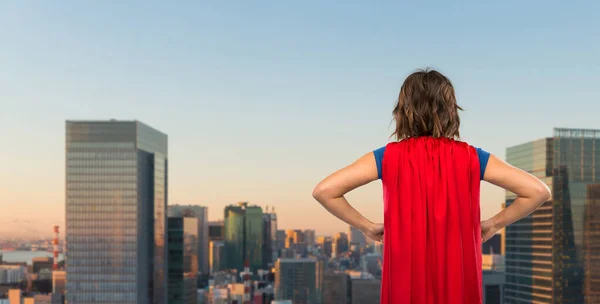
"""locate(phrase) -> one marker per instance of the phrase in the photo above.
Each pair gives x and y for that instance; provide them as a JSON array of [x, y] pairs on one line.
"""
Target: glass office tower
[[553, 255], [243, 236], [116, 197], [183, 260]]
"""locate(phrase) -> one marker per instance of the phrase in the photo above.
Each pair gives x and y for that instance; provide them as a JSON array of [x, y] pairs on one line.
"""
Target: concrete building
[[116, 203]]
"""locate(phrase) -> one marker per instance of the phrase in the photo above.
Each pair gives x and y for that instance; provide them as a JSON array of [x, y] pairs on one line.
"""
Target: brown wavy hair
[[426, 107]]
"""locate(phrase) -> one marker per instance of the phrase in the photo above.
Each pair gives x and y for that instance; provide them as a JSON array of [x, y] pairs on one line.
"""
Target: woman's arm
[[531, 193], [330, 193]]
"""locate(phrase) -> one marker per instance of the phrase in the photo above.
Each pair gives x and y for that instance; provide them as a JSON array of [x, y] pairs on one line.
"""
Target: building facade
[[116, 198], [200, 213], [551, 255], [269, 248], [357, 237], [216, 231], [243, 236], [217, 256], [365, 291], [337, 288], [298, 280], [183, 260]]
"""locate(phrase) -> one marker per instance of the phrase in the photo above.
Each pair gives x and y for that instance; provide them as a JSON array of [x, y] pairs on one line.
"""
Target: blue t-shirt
[[481, 154]]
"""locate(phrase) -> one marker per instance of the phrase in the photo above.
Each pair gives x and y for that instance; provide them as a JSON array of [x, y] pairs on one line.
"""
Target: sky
[[261, 100]]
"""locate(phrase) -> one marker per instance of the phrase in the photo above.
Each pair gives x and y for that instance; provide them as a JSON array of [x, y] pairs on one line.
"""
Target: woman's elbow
[[322, 192], [319, 192], [543, 193]]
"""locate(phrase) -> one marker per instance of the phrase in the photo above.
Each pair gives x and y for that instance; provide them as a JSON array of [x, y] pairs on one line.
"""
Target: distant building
[[326, 244], [47, 299], [59, 282], [371, 263], [297, 280], [45, 274], [183, 260], [116, 204], [493, 285], [281, 236], [15, 296], [200, 213], [337, 288], [11, 274], [269, 247], [357, 237], [552, 255], [287, 253], [340, 244], [41, 263], [309, 237], [217, 256], [365, 291], [216, 231], [243, 236]]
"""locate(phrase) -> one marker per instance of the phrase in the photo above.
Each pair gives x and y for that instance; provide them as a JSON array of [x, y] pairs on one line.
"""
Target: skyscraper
[[551, 254], [269, 248], [340, 244], [297, 280], [243, 236], [183, 260], [116, 197], [201, 213], [357, 237]]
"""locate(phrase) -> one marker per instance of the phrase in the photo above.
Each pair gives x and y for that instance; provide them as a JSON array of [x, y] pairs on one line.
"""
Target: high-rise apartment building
[[183, 260], [298, 280], [553, 255], [116, 198], [200, 213], [243, 236]]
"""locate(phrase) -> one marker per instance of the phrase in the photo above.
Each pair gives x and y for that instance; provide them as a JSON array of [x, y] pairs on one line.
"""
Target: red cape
[[432, 234]]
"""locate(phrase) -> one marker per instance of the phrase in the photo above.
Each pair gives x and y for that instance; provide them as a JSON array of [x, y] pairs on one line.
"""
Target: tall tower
[[55, 248], [243, 225], [552, 254], [116, 198]]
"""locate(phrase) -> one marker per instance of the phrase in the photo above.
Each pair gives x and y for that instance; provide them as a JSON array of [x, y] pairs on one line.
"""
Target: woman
[[431, 232]]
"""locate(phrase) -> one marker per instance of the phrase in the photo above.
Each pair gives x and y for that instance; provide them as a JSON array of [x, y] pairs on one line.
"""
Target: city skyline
[[260, 103]]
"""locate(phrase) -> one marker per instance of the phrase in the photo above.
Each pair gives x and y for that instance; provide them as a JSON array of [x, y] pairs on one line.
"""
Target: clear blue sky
[[261, 100]]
